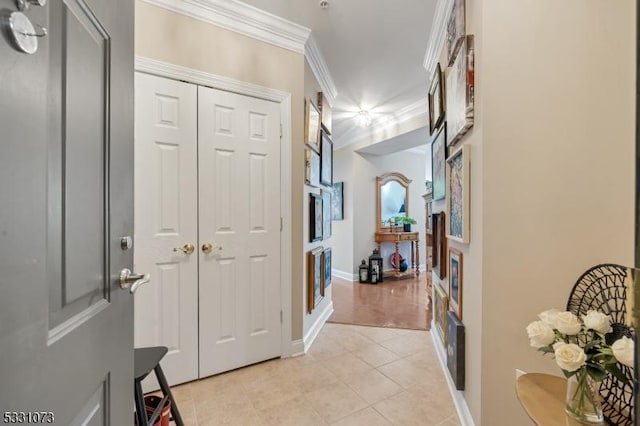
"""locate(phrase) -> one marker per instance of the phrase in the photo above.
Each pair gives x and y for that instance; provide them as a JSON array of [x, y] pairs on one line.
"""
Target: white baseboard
[[297, 347], [317, 326], [344, 275], [458, 396], [422, 267]]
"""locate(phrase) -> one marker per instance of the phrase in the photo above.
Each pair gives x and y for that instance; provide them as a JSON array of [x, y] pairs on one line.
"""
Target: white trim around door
[[177, 72]]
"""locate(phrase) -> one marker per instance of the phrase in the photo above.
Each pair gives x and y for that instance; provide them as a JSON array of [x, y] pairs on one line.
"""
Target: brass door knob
[[186, 249], [208, 248]]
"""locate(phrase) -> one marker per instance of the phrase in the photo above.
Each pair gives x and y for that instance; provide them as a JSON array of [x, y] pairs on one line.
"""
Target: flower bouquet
[[581, 351]]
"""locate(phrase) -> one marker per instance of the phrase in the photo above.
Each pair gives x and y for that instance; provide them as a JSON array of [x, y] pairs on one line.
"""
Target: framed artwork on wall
[[312, 168], [436, 101], [312, 126], [337, 201], [326, 160], [458, 195], [455, 29], [326, 256], [455, 350], [460, 92], [440, 309], [315, 291], [438, 257], [455, 281], [326, 214], [315, 217], [325, 112], [438, 167]]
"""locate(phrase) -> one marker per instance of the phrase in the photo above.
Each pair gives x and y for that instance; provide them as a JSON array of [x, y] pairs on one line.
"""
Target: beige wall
[[311, 89], [177, 39], [553, 176], [343, 260]]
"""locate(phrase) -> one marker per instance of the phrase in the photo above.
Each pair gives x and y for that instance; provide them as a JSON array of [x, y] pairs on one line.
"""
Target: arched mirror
[[392, 198]]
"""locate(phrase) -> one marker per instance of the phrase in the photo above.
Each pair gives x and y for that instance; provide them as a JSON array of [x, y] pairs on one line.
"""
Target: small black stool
[[147, 359]]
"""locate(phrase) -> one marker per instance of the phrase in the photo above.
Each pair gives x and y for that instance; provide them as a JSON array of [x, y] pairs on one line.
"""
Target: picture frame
[[325, 112], [455, 29], [312, 126], [315, 217], [315, 291], [455, 281], [326, 214], [312, 168], [440, 309], [438, 164], [436, 101], [455, 350], [438, 257], [326, 160], [458, 187], [326, 259], [460, 93], [337, 201]]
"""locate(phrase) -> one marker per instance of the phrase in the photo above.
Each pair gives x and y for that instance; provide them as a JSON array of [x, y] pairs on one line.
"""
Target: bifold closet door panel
[[239, 184], [166, 222]]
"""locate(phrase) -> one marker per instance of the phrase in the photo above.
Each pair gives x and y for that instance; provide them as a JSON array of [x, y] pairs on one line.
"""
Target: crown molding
[[241, 18], [405, 114], [437, 36], [320, 69]]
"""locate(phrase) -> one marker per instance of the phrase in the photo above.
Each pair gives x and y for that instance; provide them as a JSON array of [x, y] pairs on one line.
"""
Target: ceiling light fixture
[[324, 4], [364, 119]]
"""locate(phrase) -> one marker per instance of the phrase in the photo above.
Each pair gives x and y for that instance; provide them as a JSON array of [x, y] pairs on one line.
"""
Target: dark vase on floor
[[407, 227]]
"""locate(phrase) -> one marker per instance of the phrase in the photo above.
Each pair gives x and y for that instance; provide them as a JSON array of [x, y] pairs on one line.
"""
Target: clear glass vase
[[583, 399]]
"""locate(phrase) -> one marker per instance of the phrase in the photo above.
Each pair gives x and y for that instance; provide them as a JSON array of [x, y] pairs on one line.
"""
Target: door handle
[[208, 248], [186, 249], [132, 281]]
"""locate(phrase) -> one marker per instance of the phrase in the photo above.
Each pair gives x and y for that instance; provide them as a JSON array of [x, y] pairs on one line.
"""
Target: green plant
[[404, 220]]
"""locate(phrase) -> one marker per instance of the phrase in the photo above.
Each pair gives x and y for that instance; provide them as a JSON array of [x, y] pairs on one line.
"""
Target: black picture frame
[[436, 101], [326, 214], [315, 217], [327, 267], [455, 350], [439, 163], [337, 201], [326, 160]]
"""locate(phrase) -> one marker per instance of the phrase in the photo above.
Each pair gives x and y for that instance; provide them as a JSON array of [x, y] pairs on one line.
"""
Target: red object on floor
[[151, 402]]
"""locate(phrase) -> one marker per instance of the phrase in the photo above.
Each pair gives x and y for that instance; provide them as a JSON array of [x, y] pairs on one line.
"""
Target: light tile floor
[[352, 375]]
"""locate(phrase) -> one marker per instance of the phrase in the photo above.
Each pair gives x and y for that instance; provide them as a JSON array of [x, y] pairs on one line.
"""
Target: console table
[[543, 396], [397, 238]]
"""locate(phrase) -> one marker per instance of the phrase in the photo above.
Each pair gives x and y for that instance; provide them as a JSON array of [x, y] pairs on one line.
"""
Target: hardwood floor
[[398, 304]]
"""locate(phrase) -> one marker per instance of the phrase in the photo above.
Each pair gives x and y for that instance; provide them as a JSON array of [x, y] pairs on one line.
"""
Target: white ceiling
[[374, 50]]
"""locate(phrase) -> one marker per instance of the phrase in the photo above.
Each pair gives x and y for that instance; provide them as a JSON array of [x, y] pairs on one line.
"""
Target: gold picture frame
[[440, 309], [315, 272]]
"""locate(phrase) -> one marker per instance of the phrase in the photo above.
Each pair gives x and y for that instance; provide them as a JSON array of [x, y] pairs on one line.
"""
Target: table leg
[[397, 259], [418, 256]]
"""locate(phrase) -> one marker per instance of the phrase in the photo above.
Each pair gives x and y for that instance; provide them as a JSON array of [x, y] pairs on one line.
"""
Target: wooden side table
[[397, 238], [543, 396]]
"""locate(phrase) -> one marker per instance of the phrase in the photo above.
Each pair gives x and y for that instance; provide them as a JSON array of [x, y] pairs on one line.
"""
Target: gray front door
[[66, 199]]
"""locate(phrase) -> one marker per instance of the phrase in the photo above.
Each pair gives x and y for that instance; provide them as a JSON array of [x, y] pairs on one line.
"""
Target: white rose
[[540, 334], [597, 321], [623, 350], [549, 317], [567, 323], [569, 356]]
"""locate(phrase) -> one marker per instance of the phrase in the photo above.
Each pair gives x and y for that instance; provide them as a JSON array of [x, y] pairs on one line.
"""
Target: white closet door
[[166, 217], [239, 184]]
